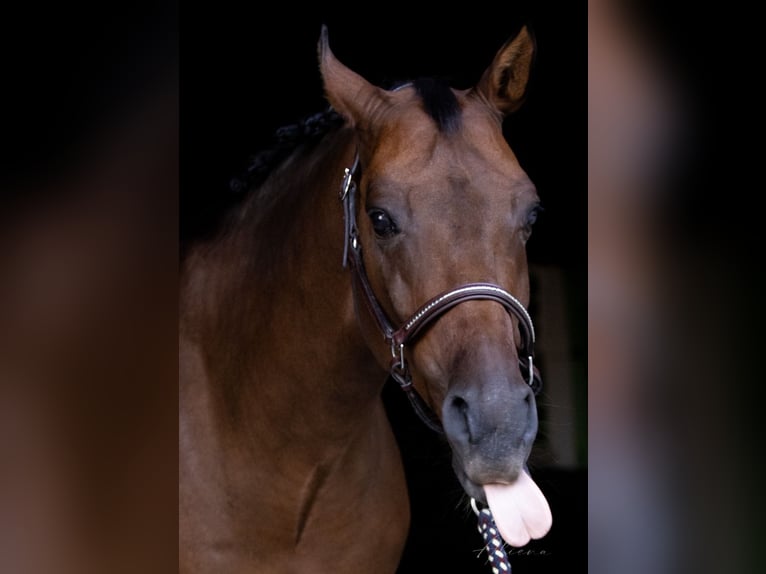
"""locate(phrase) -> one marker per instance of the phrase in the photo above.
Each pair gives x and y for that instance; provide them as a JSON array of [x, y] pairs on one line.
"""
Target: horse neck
[[270, 311]]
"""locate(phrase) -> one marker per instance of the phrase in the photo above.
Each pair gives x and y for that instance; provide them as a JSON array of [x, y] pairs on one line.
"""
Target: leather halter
[[407, 333]]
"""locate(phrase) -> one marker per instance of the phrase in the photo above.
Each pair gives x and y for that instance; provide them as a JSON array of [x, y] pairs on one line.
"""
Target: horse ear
[[349, 94], [505, 81]]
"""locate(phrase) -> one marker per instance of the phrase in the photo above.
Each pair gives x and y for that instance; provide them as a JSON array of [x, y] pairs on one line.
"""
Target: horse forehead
[[412, 148]]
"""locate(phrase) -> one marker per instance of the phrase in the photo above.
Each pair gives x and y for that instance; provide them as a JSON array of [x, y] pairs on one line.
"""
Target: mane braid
[[286, 140]]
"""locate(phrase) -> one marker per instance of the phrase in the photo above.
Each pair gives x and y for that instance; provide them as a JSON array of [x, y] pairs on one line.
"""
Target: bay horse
[[291, 316]]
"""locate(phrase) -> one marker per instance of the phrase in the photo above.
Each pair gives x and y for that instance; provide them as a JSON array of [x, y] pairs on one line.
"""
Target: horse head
[[443, 202]]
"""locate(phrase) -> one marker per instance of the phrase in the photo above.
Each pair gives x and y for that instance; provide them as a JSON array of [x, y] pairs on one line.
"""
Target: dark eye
[[382, 223], [532, 216]]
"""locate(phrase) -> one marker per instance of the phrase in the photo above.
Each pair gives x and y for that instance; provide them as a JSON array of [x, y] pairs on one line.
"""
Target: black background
[[246, 71]]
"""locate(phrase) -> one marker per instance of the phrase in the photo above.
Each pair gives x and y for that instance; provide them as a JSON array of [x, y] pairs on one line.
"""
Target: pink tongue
[[520, 510]]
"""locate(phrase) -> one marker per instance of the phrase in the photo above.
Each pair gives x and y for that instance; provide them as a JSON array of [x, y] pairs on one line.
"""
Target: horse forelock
[[440, 103]]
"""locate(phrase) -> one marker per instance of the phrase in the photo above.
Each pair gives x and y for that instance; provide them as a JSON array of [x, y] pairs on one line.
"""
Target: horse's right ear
[[349, 94]]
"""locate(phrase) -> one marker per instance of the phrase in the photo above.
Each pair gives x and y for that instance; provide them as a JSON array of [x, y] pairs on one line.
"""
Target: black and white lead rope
[[498, 558]]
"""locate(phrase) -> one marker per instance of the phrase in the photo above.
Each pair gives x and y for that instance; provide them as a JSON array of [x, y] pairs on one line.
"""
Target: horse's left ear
[[504, 83]]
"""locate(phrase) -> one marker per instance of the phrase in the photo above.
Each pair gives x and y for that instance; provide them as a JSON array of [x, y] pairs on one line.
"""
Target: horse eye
[[382, 223], [532, 215]]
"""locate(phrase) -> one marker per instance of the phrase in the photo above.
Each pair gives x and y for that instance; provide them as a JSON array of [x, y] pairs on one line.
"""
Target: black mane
[[286, 140]]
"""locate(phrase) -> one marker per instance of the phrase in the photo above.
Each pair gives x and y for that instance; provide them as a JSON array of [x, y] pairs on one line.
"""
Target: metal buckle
[[346, 185], [401, 353]]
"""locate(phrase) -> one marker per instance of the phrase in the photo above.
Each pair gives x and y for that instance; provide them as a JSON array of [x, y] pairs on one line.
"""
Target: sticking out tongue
[[520, 510]]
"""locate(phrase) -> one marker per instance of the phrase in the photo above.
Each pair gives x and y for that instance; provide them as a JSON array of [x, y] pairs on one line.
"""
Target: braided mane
[[287, 139]]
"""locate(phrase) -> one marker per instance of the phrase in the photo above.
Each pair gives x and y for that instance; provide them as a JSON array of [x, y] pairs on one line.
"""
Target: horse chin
[[471, 488]]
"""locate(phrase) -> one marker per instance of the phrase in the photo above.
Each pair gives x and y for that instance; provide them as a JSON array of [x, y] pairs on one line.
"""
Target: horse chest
[[254, 512]]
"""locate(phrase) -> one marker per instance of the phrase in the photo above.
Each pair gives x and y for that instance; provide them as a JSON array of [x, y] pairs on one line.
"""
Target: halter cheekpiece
[[398, 338]]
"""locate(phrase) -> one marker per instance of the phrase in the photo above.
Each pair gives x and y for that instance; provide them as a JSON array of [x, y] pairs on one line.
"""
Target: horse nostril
[[458, 417], [461, 406]]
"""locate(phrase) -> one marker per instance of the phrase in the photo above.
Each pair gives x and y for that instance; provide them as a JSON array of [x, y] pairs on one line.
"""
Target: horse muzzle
[[490, 423]]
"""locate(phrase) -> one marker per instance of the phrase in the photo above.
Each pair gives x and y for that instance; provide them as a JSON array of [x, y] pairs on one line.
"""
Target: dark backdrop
[[246, 71]]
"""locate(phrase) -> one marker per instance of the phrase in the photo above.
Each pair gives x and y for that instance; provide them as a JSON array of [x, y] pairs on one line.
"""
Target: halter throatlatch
[[407, 333]]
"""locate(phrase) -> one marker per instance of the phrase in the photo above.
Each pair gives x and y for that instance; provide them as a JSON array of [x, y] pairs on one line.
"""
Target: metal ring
[[473, 505]]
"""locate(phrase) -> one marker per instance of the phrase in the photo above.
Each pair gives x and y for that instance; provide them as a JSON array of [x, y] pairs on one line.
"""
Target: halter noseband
[[398, 338]]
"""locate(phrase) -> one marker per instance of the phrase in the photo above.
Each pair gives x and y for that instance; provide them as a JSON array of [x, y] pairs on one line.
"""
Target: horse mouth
[[471, 488], [519, 507], [473, 475]]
